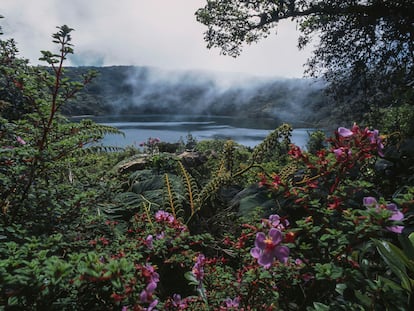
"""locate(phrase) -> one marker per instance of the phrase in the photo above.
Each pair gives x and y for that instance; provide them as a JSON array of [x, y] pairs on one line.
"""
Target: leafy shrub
[[273, 228]]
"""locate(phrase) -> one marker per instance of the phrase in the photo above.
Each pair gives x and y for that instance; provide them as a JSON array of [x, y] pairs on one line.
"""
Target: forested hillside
[[129, 89]]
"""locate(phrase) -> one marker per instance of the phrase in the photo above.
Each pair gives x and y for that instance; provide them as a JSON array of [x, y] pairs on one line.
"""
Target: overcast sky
[[159, 33]]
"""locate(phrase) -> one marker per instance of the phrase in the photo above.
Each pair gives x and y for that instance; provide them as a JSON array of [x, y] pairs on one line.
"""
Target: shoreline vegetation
[[211, 225], [124, 90]]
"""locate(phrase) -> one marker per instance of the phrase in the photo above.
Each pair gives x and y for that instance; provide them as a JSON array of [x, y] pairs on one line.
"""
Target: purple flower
[[198, 268], [152, 305], [20, 140], [342, 152], [164, 216], [152, 279], [148, 241], [395, 216], [344, 132], [338, 152], [298, 261], [144, 296], [370, 202], [232, 303], [178, 302], [151, 287], [376, 140], [160, 235], [268, 248], [276, 222]]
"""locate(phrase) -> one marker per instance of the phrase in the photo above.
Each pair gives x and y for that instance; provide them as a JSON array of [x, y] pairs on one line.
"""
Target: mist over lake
[[172, 128], [148, 102]]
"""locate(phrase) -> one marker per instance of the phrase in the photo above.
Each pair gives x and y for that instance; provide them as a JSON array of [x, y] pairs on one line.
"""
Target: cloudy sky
[[158, 33]]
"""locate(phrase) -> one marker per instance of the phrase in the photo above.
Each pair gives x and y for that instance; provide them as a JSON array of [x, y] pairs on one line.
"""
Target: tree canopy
[[365, 49]]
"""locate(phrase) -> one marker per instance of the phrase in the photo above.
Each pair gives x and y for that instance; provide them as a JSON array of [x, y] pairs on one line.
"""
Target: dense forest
[[214, 225], [129, 89]]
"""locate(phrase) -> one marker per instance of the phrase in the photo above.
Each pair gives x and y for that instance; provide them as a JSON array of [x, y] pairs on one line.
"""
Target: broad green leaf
[[396, 261]]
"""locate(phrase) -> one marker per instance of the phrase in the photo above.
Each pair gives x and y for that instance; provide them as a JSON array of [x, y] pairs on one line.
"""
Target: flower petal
[[276, 235], [255, 252], [395, 229], [344, 132], [282, 253], [369, 202], [397, 216], [274, 219], [260, 240], [392, 207], [266, 259]]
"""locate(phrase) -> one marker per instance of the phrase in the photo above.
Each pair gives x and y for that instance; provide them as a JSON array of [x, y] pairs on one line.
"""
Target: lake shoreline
[[248, 132]]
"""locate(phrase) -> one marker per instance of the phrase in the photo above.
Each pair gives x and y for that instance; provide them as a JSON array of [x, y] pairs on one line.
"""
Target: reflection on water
[[170, 128]]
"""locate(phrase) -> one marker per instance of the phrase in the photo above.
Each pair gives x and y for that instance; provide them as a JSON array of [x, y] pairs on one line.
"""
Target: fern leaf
[[170, 195], [191, 186], [212, 188], [275, 139]]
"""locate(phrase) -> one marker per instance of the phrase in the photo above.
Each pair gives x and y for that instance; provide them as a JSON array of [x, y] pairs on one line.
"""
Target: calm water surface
[[170, 128]]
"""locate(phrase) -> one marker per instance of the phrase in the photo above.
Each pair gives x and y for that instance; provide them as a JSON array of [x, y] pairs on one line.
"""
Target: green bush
[[269, 228]]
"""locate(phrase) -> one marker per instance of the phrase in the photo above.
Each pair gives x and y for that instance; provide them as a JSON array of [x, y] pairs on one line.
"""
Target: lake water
[[170, 128]]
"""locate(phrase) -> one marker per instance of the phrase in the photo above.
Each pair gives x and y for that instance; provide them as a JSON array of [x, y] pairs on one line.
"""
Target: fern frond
[[97, 129], [228, 153], [175, 195], [170, 195], [212, 188], [191, 186], [98, 149], [286, 173], [275, 139]]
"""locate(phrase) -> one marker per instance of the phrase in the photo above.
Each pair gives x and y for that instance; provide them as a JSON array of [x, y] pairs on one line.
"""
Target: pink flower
[[164, 216], [152, 278], [344, 132], [232, 303], [198, 268], [276, 222], [160, 236], [268, 248], [371, 202], [149, 241], [342, 152], [298, 261], [178, 302], [396, 216], [375, 139], [152, 305], [20, 140]]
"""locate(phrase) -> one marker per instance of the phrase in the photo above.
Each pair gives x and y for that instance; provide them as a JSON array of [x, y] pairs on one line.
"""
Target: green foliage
[[364, 50], [273, 228], [401, 263], [39, 145], [317, 141], [399, 120]]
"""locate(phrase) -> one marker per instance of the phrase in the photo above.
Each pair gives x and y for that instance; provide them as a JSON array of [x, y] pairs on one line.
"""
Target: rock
[[132, 165], [192, 158]]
